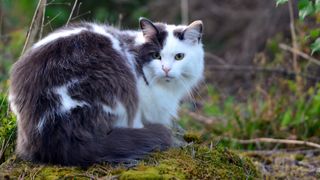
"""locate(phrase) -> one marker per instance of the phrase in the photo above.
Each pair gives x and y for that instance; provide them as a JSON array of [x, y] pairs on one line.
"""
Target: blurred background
[[262, 70]]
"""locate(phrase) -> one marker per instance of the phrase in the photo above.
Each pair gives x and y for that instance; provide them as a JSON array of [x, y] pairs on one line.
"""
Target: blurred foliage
[[308, 8], [275, 108]]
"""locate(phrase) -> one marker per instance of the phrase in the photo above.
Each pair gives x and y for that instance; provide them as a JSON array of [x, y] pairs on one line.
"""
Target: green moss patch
[[192, 162]]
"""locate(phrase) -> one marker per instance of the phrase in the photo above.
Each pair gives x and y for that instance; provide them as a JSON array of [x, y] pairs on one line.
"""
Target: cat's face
[[172, 53]]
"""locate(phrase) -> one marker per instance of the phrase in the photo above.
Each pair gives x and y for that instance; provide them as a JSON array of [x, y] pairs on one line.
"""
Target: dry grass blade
[[42, 23], [253, 69], [200, 118], [73, 8], [295, 45], [280, 141], [184, 11], [35, 25]]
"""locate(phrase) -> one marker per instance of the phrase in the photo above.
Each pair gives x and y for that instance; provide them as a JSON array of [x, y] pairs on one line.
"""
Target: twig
[[83, 14], [201, 118], [53, 18], [296, 67], [53, 3], [282, 72], [281, 141], [73, 8], [217, 58], [42, 22], [35, 24], [300, 53], [80, 3], [120, 17], [184, 11]]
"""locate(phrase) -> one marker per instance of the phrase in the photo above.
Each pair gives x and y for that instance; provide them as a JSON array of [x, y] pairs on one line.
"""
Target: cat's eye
[[156, 55], [179, 56]]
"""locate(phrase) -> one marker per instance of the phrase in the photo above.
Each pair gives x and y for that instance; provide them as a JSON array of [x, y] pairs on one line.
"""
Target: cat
[[90, 93]]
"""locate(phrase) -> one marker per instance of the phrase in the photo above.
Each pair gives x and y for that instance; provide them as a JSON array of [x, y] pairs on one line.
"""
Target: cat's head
[[171, 53]]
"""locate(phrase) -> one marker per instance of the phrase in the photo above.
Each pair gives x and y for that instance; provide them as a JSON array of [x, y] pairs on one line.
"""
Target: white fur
[[159, 102], [139, 39], [137, 122], [67, 102], [107, 109], [41, 124], [56, 35], [13, 107], [121, 113], [99, 29]]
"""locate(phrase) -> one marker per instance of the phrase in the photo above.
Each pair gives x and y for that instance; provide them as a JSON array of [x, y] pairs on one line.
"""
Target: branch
[[201, 118], [294, 44], [42, 22], [35, 25], [184, 11], [282, 72], [215, 57], [280, 141], [300, 53], [73, 8]]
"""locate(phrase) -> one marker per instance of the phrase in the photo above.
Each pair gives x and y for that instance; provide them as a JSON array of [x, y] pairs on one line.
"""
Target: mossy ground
[[191, 162], [284, 164]]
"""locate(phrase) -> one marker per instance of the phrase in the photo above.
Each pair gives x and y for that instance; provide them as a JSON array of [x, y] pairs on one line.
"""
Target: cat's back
[[88, 59], [74, 50]]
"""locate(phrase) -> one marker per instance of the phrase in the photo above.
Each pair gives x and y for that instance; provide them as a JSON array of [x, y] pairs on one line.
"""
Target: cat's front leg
[[137, 122]]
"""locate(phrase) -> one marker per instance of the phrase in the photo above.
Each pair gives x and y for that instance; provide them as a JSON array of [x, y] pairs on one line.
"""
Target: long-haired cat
[[91, 93]]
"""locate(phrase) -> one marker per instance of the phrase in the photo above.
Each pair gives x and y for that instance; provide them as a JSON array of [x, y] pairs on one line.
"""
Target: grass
[[278, 114], [7, 130]]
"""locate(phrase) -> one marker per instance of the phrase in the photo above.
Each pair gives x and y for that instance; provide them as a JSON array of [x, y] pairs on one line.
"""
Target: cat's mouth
[[168, 78]]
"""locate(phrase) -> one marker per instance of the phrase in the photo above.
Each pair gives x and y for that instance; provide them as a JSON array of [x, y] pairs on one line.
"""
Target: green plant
[[307, 8], [7, 129], [265, 113]]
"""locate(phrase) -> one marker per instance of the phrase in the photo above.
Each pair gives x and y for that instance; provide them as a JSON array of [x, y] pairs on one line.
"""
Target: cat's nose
[[166, 69]]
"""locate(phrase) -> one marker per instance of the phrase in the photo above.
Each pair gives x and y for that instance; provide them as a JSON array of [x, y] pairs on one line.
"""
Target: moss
[[192, 137], [286, 164], [192, 162], [159, 172], [299, 157]]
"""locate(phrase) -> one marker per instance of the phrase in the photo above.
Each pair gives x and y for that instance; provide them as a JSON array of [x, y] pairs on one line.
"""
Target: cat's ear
[[147, 27], [193, 32]]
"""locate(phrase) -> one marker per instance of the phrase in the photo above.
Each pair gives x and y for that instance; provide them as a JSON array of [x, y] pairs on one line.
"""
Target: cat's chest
[[157, 105]]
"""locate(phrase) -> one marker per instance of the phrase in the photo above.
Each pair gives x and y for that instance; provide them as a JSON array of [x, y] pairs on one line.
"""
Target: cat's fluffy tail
[[125, 144], [120, 145]]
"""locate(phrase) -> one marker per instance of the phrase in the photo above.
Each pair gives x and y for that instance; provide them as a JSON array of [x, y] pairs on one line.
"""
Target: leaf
[[315, 46], [314, 33], [287, 118], [305, 8], [317, 6], [279, 2]]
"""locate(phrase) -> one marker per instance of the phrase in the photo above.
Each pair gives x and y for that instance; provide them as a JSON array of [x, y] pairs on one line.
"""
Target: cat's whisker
[[196, 89], [154, 79], [193, 100]]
